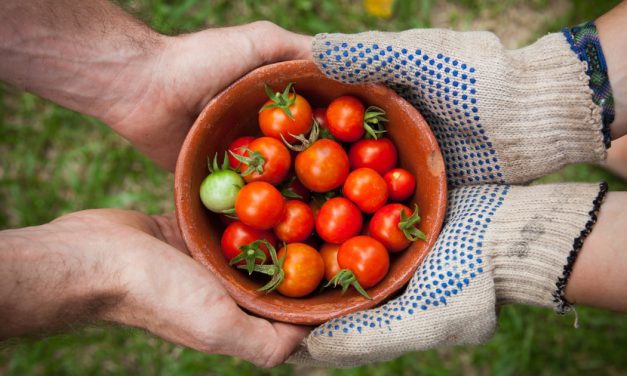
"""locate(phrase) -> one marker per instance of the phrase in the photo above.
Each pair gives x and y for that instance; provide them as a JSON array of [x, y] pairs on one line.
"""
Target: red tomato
[[260, 205], [328, 252], [379, 155], [238, 234], [338, 220], [276, 161], [303, 268], [320, 115], [366, 257], [401, 184], [345, 118], [275, 122], [323, 166], [237, 147], [296, 224], [366, 188], [384, 226]]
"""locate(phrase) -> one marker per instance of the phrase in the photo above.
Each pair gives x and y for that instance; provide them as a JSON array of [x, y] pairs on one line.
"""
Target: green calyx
[[275, 270], [374, 120], [281, 100], [250, 254], [408, 225], [347, 278], [305, 142], [254, 160], [213, 166]]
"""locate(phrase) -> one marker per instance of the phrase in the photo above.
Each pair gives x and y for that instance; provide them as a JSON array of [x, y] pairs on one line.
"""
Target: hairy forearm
[[45, 285], [87, 55], [599, 278], [613, 37]]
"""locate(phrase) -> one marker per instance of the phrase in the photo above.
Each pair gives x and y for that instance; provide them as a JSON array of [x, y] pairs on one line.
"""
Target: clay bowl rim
[[247, 299]]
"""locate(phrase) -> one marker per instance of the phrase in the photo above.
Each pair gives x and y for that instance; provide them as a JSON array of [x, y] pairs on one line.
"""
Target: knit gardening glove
[[500, 244], [500, 116]]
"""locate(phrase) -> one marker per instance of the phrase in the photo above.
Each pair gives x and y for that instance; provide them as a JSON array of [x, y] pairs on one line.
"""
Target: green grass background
[[54, 161]]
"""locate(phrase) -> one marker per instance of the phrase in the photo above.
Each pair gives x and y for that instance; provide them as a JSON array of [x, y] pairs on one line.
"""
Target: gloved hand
[[500, 244], [500, 117]]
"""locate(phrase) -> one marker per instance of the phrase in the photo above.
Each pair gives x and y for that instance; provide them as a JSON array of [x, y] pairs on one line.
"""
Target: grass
[[54, 161]]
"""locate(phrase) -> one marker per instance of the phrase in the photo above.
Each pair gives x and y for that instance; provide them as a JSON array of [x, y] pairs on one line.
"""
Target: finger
[[264, 343], [168, 231], [285, 45], [228, 54]]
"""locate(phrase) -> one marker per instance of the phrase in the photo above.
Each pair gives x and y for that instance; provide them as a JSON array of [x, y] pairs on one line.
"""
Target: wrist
[[128, 83], [51, 279], [612, 36]]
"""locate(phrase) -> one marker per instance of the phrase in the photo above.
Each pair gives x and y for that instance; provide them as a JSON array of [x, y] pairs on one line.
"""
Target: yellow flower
[[379, 8]]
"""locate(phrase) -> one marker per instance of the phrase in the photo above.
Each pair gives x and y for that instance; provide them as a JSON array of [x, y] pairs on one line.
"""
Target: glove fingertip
[[336, 54]]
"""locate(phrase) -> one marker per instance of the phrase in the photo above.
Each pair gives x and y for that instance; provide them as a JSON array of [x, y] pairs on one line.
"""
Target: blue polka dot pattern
[[441, 87], [452, 265]]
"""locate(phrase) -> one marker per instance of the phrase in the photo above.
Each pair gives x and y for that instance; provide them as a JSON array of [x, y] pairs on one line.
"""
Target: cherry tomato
[[328, 252], [366, 188], [345, 118], [296, 224], [320, 115], [259, 205], [237, 147], [218, 191], [366, 257], [323, 166], [384, 226], [274, 121], [338, 220], [303, 268], [238, 234], [379, 155], [275, 161], [401, 184]]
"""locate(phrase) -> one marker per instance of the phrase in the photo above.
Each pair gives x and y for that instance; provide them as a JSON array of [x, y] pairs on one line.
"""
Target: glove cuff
[[584, 41], [536, 237]]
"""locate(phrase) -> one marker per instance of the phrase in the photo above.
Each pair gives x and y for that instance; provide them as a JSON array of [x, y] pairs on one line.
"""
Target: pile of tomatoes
[[317, 176]]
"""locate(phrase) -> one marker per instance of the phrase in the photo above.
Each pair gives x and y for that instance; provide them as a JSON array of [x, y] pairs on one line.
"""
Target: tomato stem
[[281, 100], [408, 225], [275, 269], [374, 118], [215, 167], [305, 142], [250, 253], [254, 160], [347, 278]]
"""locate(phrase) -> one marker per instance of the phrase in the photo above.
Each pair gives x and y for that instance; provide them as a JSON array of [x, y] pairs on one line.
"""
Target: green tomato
[[219, 190]]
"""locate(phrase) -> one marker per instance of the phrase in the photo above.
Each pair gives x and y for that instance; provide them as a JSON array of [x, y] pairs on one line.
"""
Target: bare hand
[[132, 269], [189, 71]]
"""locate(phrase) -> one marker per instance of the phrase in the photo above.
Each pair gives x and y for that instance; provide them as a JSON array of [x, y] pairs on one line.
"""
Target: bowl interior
[[233, 114]]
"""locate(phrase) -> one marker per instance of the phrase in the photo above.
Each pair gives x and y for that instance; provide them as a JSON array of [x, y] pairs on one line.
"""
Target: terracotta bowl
[[232, 114]]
